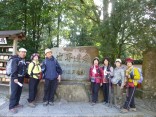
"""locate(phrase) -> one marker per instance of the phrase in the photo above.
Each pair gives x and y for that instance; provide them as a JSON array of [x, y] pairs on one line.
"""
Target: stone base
[[70, 91]]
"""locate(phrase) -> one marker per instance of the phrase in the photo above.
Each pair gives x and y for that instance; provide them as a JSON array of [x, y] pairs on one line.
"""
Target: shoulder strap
[[32, 68], [108, 68], [45, 61], [55, 61]]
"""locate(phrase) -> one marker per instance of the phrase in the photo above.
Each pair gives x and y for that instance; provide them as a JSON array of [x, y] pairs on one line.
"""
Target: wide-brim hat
[[129, 60]]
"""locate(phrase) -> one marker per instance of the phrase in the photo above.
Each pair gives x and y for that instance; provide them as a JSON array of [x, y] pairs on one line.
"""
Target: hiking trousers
[[130, 98], [50, 87], [16, 91], [33, 84], [105, 90], [95, 89]]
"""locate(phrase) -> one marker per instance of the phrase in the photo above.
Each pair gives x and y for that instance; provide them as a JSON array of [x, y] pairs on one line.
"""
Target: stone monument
[[75, 62]]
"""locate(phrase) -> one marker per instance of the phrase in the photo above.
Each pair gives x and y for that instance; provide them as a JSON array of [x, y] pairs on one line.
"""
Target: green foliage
[[127, 31]]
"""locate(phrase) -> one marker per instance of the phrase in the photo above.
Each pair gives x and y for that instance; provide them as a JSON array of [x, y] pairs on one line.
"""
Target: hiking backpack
[[141, 75], [8, 67]]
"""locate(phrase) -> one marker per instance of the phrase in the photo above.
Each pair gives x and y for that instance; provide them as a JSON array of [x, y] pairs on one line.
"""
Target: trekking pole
[[110, 92], [128, 106]]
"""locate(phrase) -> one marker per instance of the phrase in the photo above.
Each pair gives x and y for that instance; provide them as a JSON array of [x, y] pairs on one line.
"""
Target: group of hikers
[[18, 69], [114, 81], [111, 79]]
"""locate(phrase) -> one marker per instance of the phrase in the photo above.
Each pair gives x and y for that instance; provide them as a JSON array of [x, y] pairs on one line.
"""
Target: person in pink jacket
[[95, 76]]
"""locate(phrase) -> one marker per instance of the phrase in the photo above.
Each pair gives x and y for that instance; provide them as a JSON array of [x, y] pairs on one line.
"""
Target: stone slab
[[75, 61]]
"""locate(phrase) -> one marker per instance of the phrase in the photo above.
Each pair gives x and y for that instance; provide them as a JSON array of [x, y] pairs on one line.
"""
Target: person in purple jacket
[[52, 75]]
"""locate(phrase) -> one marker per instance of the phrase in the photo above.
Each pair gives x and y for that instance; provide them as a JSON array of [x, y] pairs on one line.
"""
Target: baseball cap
[[22, 50], [118, 60]]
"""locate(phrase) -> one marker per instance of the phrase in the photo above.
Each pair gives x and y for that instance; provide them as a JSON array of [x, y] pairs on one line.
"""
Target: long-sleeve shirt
[[34, 69], [95, 74]]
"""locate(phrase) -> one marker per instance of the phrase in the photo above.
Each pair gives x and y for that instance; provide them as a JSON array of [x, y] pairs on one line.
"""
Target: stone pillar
[[149, 72], [75, 62]]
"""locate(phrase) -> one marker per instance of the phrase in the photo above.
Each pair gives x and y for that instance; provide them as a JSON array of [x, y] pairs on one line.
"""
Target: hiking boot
[[13, 111], [124, 110], [45, 103], [19, 106], [32, 105], [133, 109], [51, 103]]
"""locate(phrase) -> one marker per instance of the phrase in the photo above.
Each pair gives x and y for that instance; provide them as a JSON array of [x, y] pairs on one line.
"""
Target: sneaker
[[51, 103], [105, 103], [13, 110], [93, 103], [124, 110], [45, 103], [19, 106], [133, 109], [117, 106], [32, 105]]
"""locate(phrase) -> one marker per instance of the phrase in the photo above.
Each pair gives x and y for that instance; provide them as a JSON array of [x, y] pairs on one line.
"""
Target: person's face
[[118, 64], [22, 54], [49, 54], [35, 58], [105, 62], [96, 62], [129, 64]]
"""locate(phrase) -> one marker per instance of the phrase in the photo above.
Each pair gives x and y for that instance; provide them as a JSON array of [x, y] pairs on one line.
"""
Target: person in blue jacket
[[18, 71], [52, 75]]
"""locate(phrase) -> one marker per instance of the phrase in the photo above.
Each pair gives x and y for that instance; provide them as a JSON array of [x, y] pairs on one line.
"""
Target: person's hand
[[107, 72], [100, 84], [59, 78], [121, 87], [15, 80]]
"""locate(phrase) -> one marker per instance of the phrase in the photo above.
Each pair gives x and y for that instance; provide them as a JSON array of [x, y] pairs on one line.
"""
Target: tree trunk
[[58, 24], [105, 9], [25, 17]]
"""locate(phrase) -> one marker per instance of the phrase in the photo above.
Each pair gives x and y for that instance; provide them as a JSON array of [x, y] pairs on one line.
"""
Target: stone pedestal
[[70, 91], [149, 72]]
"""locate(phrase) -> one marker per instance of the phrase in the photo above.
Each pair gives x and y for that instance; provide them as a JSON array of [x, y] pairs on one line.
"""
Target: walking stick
[[110, 92]]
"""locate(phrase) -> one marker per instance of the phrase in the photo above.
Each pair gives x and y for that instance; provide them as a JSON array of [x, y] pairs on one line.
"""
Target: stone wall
[[149, 72]]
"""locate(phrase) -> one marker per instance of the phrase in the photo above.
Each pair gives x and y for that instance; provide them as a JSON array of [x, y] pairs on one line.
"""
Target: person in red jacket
[[95, 76]]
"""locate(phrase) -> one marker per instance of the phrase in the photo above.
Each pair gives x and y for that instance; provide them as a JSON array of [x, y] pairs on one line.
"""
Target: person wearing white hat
[[52, 75], [118, 82], [47, 50], [17, 72]]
